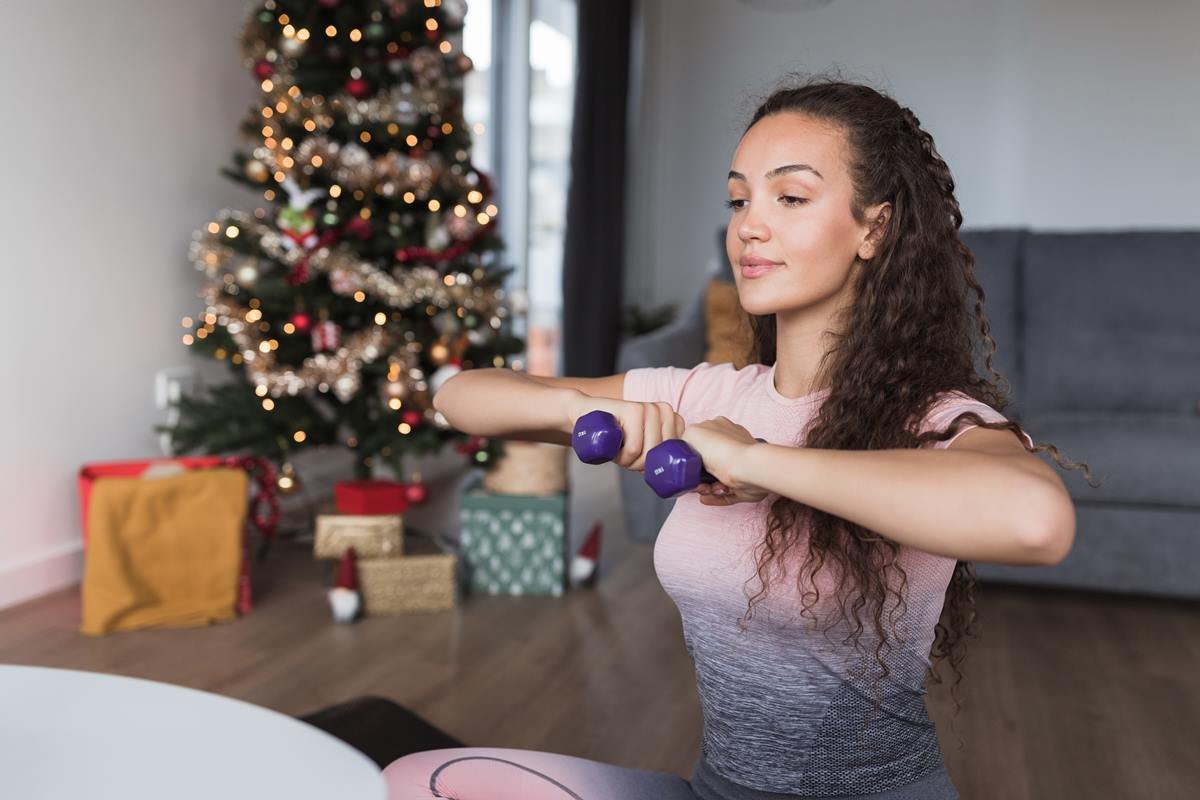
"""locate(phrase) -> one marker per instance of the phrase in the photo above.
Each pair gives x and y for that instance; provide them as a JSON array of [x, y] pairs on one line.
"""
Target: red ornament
[[417, 493], [263, 69], [357, 87], [301, 321], [357, 226], [412, 417], [472, 446], [326, 336]]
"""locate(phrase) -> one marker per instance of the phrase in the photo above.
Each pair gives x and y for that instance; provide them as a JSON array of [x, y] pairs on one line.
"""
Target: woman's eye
[[789, 201]]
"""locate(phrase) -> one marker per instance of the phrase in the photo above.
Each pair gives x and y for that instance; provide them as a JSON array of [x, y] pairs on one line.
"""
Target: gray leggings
[[495, 773]]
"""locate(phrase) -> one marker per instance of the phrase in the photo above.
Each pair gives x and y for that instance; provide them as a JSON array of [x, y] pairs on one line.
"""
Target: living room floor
[[1067, 694]]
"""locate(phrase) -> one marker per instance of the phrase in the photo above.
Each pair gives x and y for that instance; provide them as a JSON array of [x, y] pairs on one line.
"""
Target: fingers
[[631, 448]]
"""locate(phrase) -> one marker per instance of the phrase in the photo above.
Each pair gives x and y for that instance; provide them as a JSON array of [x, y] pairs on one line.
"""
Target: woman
[[843, 240]]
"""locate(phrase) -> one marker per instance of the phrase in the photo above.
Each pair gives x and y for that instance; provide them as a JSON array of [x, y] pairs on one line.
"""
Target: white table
[[66, 733]]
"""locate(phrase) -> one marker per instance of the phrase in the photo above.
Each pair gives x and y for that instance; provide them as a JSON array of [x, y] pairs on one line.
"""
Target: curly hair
[[907, 337]]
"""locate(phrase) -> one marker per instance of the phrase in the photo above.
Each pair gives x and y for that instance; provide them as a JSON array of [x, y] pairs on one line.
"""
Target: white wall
[[114, 125], [1053, 114]]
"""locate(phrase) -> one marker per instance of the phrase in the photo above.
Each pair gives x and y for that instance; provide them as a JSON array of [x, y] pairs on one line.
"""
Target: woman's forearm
[[961, 504], [504, 404]]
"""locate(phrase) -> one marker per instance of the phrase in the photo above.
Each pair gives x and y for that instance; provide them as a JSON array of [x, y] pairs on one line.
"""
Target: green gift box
[[513, 543]]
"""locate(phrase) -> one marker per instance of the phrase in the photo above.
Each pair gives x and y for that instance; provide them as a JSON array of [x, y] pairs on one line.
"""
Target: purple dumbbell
[[597, 437], [674, 467]]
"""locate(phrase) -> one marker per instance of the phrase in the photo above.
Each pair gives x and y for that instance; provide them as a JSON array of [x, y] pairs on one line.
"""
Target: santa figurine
[[586, 561], [344, 598]]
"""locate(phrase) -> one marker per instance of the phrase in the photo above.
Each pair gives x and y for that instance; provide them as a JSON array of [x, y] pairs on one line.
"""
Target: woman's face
[[790, 193]]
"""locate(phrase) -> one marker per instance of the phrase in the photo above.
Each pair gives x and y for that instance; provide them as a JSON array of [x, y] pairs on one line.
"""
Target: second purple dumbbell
[[671, 467]]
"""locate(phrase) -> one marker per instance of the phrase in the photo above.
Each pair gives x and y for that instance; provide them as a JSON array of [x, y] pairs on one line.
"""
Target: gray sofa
[[1098, 334]]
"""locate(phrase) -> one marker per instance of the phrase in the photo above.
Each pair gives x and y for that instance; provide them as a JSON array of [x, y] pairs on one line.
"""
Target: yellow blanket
[[163, 551]]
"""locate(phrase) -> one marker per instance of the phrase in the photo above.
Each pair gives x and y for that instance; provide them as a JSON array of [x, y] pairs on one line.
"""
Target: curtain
[[592, 274]]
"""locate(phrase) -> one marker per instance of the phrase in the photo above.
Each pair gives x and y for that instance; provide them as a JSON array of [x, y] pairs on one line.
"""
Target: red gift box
[[90, 473], [370, 497]]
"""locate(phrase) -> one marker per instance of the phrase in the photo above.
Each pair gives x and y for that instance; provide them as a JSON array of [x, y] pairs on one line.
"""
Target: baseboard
[[28, 578]]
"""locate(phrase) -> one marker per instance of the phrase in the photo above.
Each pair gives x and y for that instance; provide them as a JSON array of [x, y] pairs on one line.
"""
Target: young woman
[[887, 469]]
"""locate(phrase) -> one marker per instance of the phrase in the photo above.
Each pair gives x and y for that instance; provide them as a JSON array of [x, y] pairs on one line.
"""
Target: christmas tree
[[366, 282]]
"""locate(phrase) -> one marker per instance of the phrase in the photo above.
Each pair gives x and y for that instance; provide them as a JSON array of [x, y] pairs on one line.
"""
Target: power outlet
[[169, 385]]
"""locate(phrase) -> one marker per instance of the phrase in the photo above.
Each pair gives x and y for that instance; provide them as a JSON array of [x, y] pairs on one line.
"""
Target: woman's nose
[[752, 228]]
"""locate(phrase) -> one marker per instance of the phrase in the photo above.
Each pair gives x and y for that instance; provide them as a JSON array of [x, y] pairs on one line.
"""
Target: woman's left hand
[[722, 444]]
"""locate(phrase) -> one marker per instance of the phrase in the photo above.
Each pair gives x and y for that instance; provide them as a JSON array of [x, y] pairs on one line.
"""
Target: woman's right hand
[[643, 425]]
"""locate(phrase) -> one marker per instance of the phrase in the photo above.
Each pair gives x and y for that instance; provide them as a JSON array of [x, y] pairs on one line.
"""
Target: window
[[521, 95]]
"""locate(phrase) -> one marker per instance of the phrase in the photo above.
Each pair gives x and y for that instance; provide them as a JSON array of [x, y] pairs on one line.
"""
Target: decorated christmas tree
[[369, 277]]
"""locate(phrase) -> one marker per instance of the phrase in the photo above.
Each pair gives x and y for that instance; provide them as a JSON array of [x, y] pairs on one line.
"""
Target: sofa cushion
[[727, 334], [1112, 322], [1138, 458], [997, 254]]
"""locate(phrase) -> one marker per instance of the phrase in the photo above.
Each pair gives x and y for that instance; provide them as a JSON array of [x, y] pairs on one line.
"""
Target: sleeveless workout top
[[782, 711]]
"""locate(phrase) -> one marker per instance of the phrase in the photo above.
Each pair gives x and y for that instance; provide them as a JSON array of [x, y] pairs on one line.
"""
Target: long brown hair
[[907, 337]]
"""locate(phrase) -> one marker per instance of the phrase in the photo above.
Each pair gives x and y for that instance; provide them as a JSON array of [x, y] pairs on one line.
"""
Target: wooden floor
[[1068, 695]]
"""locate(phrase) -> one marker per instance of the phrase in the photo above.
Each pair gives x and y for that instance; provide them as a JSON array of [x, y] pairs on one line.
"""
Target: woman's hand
[[722, 444]]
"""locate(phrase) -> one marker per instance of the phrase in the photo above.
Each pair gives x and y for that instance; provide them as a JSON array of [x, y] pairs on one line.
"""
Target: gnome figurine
[[586, 561], [344, 597]]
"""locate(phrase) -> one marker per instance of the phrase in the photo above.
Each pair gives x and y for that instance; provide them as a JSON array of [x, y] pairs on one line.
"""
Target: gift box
[[90, 473], [371, 535], [525, 468], [425, 578], [165, 551], [370, 497], [513, 544]]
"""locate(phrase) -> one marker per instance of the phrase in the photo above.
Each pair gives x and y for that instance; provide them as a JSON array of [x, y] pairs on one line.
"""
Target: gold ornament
[[257, 171], [439, 353], [287, 482]]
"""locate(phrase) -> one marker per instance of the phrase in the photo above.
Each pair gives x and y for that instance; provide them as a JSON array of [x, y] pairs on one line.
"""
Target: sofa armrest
[[677, 344]]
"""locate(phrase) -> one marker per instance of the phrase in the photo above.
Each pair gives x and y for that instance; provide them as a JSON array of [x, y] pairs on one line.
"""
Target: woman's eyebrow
[[737, 176]]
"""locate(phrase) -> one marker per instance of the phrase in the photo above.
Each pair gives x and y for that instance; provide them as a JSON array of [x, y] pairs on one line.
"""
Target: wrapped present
[[371, 535], [529, 468], [164, 552], [513, 544], [370, 497], [264, 505], [425, 578]]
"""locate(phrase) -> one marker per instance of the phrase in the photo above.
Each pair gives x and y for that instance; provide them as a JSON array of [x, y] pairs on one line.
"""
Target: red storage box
[[370, 497]]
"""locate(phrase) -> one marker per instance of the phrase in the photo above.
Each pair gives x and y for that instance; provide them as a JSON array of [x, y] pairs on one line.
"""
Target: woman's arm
[[502, 403], [979, 500]]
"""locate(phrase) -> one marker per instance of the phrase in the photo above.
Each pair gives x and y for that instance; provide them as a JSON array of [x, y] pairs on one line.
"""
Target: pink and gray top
[[781, 714]]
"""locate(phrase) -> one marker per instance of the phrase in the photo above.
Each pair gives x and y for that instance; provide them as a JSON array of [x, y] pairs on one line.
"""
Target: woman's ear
[[879, 215]]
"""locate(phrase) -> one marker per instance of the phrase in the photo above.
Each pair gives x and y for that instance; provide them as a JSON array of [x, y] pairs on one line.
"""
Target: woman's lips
[[756, 270]]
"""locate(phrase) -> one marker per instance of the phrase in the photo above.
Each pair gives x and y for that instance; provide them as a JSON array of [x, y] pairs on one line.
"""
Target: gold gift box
[[371, 535], [424, 578]]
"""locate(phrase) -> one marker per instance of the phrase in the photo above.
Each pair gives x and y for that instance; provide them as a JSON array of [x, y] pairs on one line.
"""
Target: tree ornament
[[247, 274], [439, 351], [256, 171], [301, 321], [326, 336], [287, 482], [263, 69], [412, 417], [291, 46], [358, 88], [416, 493]]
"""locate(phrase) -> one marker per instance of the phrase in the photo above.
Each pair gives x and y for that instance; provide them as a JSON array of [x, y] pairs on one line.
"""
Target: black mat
[[381, 729]]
